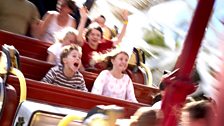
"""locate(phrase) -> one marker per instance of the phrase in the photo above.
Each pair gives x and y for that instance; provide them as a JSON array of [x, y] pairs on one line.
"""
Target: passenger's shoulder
[[105, 72], [126, 77], [30, 4], [79, 74], [52, 13], [57, 68]]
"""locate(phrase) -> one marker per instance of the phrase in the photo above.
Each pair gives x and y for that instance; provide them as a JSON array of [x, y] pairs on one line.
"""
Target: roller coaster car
[[23, 112], [45, 105]]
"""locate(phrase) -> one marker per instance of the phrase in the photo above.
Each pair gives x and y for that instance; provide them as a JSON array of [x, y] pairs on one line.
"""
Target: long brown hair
[[107, 57], [70, 3]]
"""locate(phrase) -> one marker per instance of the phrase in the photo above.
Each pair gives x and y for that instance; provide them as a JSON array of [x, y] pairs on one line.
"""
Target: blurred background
[[159, 27]]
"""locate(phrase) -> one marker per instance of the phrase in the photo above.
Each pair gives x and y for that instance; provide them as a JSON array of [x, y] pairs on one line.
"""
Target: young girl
[[69, 36], [113, 82], [67, 74]]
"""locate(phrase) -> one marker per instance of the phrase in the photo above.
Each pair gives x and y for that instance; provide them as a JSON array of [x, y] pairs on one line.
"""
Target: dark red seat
[[25, 45], [66, 97]]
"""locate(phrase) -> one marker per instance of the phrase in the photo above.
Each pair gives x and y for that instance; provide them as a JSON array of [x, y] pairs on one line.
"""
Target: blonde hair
[[61, 35], [68, 49]]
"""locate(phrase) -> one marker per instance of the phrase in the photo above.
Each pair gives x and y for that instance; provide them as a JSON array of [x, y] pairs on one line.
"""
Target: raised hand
[[83, 12], [124, 15]]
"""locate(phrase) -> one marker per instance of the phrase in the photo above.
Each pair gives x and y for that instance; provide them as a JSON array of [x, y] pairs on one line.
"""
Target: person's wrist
[[125, 22]]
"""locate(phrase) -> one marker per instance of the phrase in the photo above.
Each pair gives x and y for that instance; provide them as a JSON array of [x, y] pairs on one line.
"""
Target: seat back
[[25, 45], [66, 97], [9, 99], [137, 69]]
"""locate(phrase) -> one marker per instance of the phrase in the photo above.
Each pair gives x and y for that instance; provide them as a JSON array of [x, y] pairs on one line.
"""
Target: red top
[[87, 51]]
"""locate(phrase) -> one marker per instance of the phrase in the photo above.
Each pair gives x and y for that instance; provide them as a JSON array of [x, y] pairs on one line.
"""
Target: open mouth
[[76, 64]]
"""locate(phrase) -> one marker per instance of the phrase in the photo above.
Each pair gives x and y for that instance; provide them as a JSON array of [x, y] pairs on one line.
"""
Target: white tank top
[[54, 28]]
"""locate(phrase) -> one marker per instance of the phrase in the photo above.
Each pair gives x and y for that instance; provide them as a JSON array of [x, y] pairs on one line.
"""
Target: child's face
[[120, 62], [73, 60], [100, 21], [69, 39], [94, 36]]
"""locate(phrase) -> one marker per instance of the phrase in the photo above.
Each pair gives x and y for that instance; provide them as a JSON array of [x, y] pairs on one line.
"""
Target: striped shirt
[[56, 76]]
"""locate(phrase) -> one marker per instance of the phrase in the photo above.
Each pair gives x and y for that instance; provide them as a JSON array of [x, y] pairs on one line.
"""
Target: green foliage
[[148, 55], [155, 38]]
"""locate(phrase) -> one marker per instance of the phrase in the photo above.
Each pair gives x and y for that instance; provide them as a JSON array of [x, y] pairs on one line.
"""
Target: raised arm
[[81, 27], [123, 31]]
